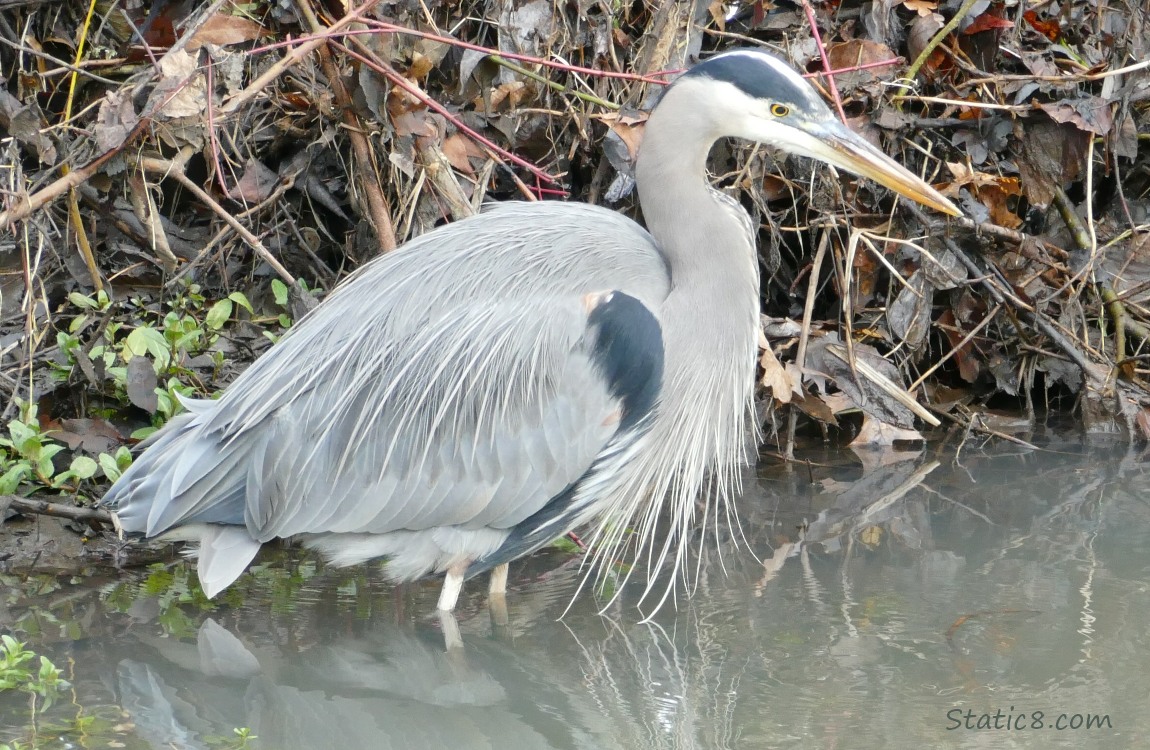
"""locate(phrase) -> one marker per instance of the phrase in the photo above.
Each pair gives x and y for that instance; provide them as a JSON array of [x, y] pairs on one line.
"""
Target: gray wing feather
[[394, 407]]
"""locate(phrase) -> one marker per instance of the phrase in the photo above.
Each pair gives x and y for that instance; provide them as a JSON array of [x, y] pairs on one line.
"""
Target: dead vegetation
[[162, 166]]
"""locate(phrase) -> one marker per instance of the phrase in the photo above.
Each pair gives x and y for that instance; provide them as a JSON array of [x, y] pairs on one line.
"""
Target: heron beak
[[839, 145]]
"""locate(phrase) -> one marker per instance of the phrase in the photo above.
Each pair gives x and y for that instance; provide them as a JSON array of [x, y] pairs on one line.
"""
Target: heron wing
[[448, 383]]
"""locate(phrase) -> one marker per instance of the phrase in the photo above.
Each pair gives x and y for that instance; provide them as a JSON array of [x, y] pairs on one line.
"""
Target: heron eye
[[780, 110]]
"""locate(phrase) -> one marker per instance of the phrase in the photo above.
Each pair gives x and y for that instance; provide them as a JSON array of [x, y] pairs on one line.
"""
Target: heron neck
[[710, 318], [704, 236]]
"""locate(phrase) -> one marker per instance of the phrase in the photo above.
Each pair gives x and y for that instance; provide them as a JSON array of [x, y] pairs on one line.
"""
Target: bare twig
[[175, 169], [59, 510], [936, 40], [299, 52], [999, 290], [368, 173], [823, 55], [367, 58]]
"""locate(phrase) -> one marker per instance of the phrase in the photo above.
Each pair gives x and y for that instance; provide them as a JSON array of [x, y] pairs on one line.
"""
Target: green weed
[[18, 673]]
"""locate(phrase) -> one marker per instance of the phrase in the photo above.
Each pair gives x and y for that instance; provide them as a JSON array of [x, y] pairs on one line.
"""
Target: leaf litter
[[173, 158]]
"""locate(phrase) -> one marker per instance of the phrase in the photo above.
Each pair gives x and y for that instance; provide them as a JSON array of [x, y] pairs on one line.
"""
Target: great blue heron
[[494, 383]]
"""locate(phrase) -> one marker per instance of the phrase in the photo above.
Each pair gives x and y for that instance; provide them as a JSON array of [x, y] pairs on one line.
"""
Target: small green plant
[[17, 672], [27, 451], [168, 340], [241, 740], [243, 737], [281, 294]]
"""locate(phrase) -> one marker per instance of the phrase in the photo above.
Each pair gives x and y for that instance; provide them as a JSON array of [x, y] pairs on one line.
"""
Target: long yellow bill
[[839, 145]]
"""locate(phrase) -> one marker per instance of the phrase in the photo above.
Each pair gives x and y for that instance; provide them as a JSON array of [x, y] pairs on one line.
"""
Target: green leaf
[[77, 323], [24, 438], [83, 301], [146, 340], [83, 467], [10, 480], [45, 467], [48, 670], [280, 291], [61, 480], [119, 375], [241, 299], [109, 466], [219, 314], [48, 450]]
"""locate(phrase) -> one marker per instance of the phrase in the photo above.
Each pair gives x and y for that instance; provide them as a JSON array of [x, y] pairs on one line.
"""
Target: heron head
[[761, 98]]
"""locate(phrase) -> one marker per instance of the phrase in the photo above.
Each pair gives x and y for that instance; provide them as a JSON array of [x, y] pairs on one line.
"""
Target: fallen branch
[[57, 510]]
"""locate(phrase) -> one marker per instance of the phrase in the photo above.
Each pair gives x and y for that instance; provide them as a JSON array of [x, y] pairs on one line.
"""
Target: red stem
[[826, 63], [415, 91]]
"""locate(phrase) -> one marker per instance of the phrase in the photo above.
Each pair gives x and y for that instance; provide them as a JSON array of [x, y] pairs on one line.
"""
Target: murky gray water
[[900, 604]]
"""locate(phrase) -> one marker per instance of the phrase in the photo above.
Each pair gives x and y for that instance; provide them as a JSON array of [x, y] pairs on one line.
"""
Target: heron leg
[[452, 585], [498, 580], [497, 596], [452, 638]]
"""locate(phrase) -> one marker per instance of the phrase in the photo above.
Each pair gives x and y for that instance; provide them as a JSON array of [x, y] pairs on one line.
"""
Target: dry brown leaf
[[89, 435], [415, 123], [993, 191], [718, 11], [908, 316], [1049, 29], [922, 30], [512, 92], [816, 407], [775, 377], [182, 90], [867, 273], [1092, 114], [629, 129], [223, 29], [987, 22], [116, 119], [421, 65], [1052, 155], [459, 149], [1142, 420], [142, 382], [860, 52], [256, 184], [921, 7], [965, 175], [23, 123], [774, 187], [877, 432], [969, 365], [996, 198], [409, 116]]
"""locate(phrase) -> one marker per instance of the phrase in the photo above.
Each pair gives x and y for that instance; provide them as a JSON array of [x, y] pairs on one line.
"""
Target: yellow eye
[[780, 110]]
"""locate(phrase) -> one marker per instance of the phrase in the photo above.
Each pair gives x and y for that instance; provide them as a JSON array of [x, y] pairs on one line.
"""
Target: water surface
[[897, 601]]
